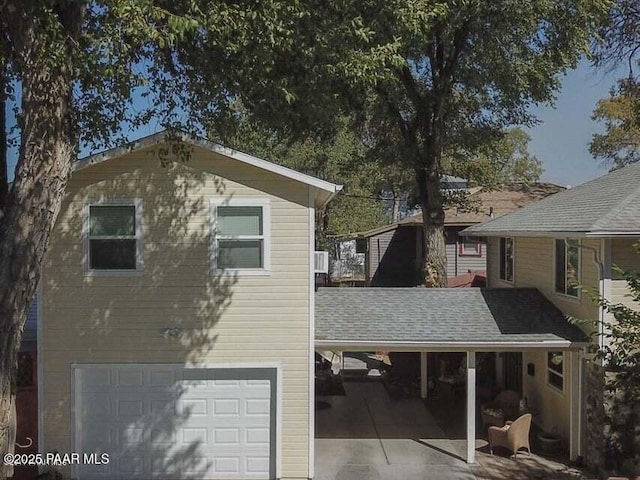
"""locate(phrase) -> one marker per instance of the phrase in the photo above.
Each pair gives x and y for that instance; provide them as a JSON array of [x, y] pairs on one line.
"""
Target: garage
[[171, 421]]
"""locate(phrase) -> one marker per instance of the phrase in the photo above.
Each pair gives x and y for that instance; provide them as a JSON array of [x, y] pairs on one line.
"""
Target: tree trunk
[[48, 148], [4, 172], [395, 206], [434, 261]]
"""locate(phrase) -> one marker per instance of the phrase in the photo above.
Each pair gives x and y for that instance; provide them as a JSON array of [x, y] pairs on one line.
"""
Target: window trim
[[501, 259], [262, 202], [464, 253], [578, 296], [86, 223], [553, 372]]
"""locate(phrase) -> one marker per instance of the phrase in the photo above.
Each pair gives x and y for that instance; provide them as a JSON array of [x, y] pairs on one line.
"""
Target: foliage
[[422, 76], [620, 355], [618, 40], [502, 160], [339, 157], [619, 145]]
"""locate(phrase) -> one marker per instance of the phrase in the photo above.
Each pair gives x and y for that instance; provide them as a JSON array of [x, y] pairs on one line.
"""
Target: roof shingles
[[465, 315], [607, 205]]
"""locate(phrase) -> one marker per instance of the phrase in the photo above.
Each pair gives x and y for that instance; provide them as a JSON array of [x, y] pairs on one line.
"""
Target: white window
[[506, 259], [470, 247], [241, 239], [113, 237], [555, 370], [567, 267]]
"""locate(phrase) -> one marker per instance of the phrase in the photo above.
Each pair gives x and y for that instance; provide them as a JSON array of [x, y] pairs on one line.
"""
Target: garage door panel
[[170, 422]]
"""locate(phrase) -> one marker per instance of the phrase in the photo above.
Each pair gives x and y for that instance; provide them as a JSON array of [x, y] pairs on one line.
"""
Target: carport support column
[[471, 407], [423, 375]]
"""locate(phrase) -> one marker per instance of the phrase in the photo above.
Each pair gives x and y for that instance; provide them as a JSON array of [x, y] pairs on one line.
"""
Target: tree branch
[[4, 174], [405, 127]]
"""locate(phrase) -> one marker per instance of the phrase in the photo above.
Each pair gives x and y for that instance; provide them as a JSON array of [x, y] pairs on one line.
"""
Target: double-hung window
[[113, 236], [241, 236], [555, 370], [567, 267], [506, 259]]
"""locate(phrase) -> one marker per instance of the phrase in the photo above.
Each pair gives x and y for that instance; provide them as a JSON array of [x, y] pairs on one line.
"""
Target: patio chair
[[513, 436], [506, 406]]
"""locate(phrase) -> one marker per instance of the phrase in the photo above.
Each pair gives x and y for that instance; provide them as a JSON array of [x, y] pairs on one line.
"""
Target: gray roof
[[606, 206], [465, 316]]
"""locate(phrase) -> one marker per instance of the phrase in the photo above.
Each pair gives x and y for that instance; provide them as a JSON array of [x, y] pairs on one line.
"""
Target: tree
[[503, 160], [618, 39], [77, 68], [619, 145], [620, 355], [340, 157], [426, 75]]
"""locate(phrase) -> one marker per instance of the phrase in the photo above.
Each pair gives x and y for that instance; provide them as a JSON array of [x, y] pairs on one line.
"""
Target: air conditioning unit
[[321, 262]]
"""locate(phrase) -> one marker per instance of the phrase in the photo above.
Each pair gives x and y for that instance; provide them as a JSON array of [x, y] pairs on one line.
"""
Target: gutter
[[448, 345], [548, 234]]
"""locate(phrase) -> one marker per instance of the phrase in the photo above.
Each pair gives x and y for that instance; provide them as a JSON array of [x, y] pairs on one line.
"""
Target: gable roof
[[325, 191], [441, 317], [608, 206], [482, 203]]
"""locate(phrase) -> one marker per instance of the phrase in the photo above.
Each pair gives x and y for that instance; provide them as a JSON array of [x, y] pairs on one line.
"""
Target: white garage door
[[170, 422]]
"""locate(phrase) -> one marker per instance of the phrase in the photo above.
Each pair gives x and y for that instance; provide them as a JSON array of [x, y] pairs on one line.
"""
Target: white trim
[[76, 425], [194, 141], [261, 202], [91, 202], [549, 371], [312, 371], [605, 291], [575, 399], [612, 234], [578, 297], [40, 369], [471, 407], [424, 380], [549, 234]]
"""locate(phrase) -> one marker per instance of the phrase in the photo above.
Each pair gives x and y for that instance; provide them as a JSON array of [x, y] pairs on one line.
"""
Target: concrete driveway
[[366, 435]]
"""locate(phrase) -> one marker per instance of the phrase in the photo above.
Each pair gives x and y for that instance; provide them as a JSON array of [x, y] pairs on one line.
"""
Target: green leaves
[[619, 145]]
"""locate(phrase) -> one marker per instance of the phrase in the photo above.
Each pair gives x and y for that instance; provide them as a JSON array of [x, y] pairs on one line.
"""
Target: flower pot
[[549, 443]]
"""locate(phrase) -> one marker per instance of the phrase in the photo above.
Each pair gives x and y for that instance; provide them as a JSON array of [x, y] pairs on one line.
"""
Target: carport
[[466, 320]]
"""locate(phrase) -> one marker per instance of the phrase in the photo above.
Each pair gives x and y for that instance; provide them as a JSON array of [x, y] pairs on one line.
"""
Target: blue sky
[[560, 140]]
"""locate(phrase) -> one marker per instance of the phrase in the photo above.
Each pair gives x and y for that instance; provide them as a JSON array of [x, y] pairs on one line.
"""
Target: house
[[566, 246], [176, 329], [393, 252]]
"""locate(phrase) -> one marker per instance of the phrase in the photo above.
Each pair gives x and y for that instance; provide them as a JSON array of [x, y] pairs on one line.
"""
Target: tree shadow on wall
[[166, 315]]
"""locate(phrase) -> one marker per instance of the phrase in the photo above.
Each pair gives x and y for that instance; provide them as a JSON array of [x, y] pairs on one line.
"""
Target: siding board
[[107, 319]]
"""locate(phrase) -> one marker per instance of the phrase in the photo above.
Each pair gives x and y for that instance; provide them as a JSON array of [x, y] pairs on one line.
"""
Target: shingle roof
[[605, 206], [481, 204], [464, 316]]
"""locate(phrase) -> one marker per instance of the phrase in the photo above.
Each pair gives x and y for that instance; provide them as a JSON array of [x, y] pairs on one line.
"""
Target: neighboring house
[[566, 246], [177, 313], [394, 252]]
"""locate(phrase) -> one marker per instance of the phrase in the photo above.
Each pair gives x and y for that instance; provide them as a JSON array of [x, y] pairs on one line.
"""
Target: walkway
[[366, 435]]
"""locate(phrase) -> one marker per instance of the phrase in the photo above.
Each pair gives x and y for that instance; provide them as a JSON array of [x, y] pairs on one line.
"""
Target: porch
[[370, 434], [469, 321]]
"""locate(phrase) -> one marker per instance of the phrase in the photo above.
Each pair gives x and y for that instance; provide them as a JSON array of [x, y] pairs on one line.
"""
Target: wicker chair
[[506, 406], [513, 436]]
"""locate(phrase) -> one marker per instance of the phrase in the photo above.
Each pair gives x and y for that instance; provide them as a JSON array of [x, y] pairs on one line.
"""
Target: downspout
[[601, 290], [597, 260]]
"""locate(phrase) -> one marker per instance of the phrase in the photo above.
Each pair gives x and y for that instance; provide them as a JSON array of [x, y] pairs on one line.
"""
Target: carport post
[[471, 407], [423, 375]]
